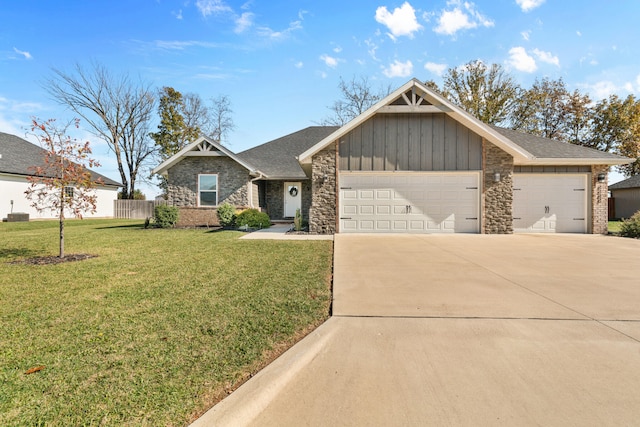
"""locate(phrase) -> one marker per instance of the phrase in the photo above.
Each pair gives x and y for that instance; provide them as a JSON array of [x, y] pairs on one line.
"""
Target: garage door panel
[[550, 203], [422, 202]]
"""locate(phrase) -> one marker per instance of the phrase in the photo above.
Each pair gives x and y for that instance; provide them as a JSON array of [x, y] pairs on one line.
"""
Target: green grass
[[614, 226], [155, 329]]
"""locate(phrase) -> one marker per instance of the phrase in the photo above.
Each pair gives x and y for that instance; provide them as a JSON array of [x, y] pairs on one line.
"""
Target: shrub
[[631, 227], [253, 218], [165, 216], [226, 214]]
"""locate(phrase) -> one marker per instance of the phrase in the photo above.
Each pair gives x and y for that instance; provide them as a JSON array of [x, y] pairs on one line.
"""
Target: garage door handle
[[472, 218], [578, 189], [516, 218], [578, 219], [472, 188], [345, 188], [517, 189], [344, 217]]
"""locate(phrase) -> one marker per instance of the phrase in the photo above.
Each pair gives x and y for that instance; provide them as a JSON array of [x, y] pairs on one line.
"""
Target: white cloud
[[398, 69], [182, 44], [329, 61], [462, 16], [280, 35], [299, 64], [337, 49], [602, 89], [244, 22], [546, 57], [529, 5], [212, 7], [521, 61], [26, 55], [401, 22], [371, 49], [177, 14], [437, 69], [578, 33], [525, 35]]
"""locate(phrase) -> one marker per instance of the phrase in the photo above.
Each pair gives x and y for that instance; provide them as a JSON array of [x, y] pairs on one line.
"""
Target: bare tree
[[357, 97], [116, 109], [220, 118]]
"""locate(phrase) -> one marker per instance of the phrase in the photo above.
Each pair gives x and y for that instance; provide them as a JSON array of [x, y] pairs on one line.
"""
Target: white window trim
[[217, 188]]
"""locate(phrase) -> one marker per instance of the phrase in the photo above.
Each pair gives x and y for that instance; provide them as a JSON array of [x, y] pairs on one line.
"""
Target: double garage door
[[425, 202], [550, 203], [449, 202]]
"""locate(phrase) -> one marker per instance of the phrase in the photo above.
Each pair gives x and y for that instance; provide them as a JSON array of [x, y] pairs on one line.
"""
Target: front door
[[292, 198]]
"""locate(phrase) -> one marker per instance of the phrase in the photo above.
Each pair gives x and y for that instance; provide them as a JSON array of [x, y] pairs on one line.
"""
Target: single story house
[[412, 163], [17, 157], [626, 197]]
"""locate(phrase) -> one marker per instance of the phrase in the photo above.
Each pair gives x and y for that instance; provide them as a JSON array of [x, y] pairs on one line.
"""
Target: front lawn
[[155, 329]]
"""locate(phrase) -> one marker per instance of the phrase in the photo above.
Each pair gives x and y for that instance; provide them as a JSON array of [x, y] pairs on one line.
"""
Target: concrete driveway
[[462, 330]]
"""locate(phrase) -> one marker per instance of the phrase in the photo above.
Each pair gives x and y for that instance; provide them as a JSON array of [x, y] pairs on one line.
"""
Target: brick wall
[[322, 214], [497, 197]]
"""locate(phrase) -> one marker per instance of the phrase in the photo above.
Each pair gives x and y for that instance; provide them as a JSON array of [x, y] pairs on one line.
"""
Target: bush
[[165, 216], [226, 214], [631, 227], [253, 218]]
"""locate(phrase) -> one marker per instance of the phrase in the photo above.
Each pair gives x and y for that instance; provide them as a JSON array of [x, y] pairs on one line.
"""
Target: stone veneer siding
[[497, 197], [599, 202], [275, 198], [183, 181], [322, 214]]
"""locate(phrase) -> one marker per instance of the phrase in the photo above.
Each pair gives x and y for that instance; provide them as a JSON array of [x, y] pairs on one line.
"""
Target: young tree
[[114, 106], [62, 184], [487, 92]]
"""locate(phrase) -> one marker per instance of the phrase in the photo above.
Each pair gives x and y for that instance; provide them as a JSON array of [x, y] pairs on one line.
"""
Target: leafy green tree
[[63, 183], [542, 110], [487, 92], [180, 122]]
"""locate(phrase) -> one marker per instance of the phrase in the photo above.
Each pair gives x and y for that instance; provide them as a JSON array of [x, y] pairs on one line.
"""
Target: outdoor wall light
[[496, 177], [602, 177]]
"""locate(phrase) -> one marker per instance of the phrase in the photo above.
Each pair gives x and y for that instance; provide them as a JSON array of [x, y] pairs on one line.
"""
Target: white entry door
[[550, 203], [292, 198], [418, 202]]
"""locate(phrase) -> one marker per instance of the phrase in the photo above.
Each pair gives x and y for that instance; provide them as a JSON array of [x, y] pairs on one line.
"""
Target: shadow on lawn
[[16, 253], [107, 227]]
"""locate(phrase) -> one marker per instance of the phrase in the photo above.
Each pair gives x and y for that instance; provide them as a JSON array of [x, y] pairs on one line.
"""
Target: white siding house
[[17, 156]]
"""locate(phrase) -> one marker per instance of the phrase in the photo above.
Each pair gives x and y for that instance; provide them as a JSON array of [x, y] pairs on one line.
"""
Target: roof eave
[[557, 161]]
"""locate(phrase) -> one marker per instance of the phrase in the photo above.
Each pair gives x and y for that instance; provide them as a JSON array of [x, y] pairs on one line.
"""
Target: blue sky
[[280, 61]]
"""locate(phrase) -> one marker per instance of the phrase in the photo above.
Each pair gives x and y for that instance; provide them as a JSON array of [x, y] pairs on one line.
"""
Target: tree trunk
[[62, 236]]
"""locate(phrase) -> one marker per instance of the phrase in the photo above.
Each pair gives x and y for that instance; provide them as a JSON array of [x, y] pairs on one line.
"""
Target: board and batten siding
[[410, 142]]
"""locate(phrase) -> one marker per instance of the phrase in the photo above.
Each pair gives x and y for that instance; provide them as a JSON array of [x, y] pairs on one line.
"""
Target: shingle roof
[[632, 182], [19, 155], [546, 148], [277, 158]]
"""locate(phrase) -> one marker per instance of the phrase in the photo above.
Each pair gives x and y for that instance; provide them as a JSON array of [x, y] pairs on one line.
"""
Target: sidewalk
[[279, 232]]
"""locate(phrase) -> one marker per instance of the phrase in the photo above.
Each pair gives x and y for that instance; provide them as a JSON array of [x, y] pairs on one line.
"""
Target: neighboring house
[[17, 157], [412, 163], [626, 197]]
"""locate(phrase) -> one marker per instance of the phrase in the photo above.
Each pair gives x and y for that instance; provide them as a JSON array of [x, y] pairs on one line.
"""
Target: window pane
[[208, 182], [208, 198]]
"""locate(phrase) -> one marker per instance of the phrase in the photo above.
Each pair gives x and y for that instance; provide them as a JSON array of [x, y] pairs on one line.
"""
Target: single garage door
[[550, 203], [425, 202]]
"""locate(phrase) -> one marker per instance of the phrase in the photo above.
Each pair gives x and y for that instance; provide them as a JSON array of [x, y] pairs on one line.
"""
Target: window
[[68, 192], [207, 190]]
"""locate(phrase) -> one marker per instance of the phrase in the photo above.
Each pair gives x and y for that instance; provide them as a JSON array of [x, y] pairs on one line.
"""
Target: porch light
[[496, 177], [602, 177]]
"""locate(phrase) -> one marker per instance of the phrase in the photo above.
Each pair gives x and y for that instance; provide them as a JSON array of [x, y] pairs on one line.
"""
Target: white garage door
[[550, 203], [426, 202]]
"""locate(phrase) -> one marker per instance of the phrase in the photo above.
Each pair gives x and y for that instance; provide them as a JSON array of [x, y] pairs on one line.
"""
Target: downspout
[[260, 176]]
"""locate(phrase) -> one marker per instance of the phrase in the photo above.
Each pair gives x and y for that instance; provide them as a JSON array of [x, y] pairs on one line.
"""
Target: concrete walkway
[[279, 232], [462, 330]]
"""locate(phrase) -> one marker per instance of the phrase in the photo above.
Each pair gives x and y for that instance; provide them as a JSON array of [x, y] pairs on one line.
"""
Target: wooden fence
[[135, 209]]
